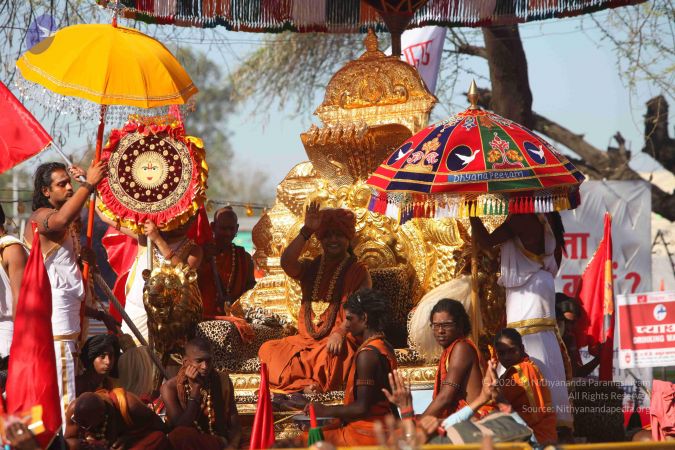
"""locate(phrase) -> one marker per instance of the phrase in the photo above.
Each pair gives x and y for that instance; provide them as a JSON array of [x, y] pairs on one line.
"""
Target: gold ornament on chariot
[[318, 308]]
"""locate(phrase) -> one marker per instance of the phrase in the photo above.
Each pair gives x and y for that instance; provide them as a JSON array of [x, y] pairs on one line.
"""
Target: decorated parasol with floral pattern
[[476, 163]]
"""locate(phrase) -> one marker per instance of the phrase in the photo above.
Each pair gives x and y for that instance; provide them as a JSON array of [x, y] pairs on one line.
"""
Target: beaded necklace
[[206, 404], [319, 306], [99, 433]]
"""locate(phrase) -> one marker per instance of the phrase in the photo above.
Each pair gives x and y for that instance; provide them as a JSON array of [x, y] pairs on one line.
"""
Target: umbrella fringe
[[406, 206], [347, 16]]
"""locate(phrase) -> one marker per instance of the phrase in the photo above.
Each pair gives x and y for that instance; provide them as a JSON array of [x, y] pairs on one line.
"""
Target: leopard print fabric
[[395, 284], [229, 351]]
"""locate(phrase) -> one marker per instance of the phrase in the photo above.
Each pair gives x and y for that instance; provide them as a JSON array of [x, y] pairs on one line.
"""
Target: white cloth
[[419, 333], [66, 365], [134, 295], [6, 299], [6, 332], [530, 294], [65, 279]]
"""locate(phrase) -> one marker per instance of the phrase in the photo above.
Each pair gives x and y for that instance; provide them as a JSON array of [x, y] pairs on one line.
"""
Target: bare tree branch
[[595, 163]]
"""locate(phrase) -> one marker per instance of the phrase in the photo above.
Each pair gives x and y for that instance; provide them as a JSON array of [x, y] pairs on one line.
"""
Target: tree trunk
[[511, 97], [658, 144]]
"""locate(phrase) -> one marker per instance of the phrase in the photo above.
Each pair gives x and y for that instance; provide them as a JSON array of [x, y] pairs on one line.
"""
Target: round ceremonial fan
[[156, 173]]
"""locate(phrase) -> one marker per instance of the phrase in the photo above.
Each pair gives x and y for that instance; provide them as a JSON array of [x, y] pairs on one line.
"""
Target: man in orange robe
[[113, 419], [226, 271], [318, 357], [524, 387], [459, 376], [365, 402]]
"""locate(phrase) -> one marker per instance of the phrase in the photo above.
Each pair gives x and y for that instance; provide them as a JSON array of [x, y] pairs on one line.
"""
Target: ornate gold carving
[[378, 90], [371, 106]]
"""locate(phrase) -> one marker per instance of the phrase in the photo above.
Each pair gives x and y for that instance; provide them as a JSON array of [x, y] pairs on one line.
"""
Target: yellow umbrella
[[107, 65]]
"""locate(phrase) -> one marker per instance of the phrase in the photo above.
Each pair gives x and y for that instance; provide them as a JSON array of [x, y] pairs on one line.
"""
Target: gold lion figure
[[174, 305]]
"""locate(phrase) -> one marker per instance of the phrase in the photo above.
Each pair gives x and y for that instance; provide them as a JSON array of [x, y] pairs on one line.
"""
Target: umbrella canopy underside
[[108, 66], [349, 16]]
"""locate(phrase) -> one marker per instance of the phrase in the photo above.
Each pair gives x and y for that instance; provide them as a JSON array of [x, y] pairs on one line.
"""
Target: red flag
[[31, 376], [122, 251], [262, 434], [200, 231], [21, 135], [596, 295]]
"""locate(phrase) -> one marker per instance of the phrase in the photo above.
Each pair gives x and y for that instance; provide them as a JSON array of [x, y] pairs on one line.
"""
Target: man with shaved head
[[200, 403], [113, 419], [227, 269]]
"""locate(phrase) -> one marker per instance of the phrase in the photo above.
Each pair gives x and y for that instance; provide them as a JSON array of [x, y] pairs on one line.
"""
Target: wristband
[[170, 255], [88, 186], [407, 410]]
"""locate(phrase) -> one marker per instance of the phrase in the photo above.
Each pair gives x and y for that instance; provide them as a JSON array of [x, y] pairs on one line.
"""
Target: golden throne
[[370, 107]]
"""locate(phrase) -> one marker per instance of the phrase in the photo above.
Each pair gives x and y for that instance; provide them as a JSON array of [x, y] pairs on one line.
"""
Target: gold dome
[[377, 89]]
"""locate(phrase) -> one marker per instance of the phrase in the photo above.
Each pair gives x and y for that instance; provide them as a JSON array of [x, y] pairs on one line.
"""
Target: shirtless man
[[56, 213], [113, 419], [200, 403]]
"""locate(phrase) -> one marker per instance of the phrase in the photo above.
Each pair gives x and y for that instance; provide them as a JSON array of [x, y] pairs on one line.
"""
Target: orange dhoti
[[189, 438], [525, 388], [296, 362], [362, 432]]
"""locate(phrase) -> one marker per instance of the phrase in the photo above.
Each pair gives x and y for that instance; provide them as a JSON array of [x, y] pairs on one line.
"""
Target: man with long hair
[[365, 401], [56, 214], [459, 375]]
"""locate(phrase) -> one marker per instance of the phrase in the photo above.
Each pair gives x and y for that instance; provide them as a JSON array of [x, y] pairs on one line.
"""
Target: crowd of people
[[340, 344]]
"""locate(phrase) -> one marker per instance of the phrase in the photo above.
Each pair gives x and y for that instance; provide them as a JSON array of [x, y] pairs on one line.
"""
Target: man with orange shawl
[[200, 403], [227, 269], [524, 387], [113, 419], [318, 357], [459, 375], [365, 400]]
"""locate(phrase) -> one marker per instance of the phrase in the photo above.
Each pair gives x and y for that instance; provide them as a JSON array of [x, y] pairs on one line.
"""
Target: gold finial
[[371, 41], [473, 95]]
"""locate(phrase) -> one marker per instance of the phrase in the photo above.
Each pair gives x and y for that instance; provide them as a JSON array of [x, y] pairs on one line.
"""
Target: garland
[[332, 295]]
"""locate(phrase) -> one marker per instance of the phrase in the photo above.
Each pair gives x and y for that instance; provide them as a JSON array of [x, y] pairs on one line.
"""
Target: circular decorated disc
[[150, 173], [157, 175]]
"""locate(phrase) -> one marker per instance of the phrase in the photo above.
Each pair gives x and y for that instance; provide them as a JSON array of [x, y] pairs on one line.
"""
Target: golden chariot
[[371, 106]]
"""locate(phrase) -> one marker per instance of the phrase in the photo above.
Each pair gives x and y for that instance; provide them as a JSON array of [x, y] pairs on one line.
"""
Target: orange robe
[[240, 278], [296, 362], [442, 372], [525, 388], [360, 432], [143, 439]]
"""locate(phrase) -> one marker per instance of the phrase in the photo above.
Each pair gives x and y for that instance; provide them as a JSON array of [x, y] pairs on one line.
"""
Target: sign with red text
[[646, 325], [629, 203]]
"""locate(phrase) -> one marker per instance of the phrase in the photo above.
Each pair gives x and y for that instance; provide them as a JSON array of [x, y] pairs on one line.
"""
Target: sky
[[573, 78]]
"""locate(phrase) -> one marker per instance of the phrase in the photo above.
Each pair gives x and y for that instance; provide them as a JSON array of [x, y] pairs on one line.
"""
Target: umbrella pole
[[475, 301], [92, 198]]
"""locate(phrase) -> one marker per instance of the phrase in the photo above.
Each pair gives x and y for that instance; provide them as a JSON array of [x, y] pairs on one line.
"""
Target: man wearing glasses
[[459, 377]]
